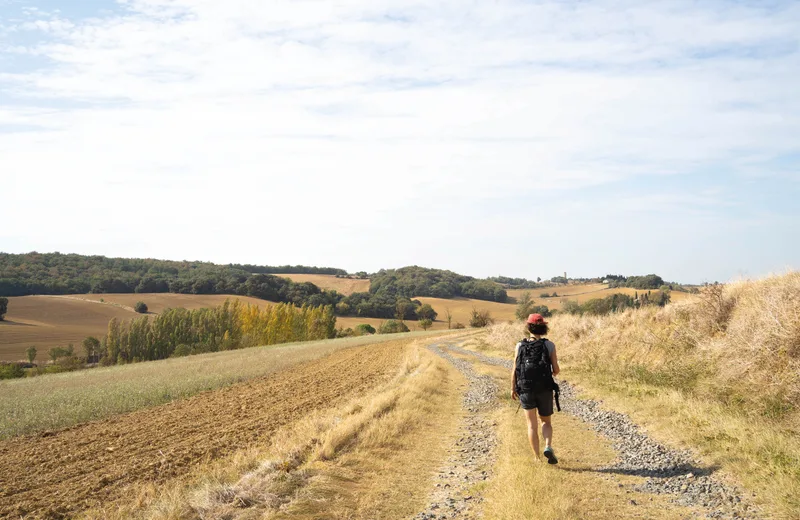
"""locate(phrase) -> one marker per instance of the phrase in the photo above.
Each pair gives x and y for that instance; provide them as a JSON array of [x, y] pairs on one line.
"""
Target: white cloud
[[289, 116]]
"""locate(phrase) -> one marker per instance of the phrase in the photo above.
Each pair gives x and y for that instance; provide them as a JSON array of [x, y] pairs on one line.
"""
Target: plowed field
[[58, 474]]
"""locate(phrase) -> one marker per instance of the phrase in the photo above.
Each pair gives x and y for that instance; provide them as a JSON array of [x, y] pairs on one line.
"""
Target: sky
[[502, 137]]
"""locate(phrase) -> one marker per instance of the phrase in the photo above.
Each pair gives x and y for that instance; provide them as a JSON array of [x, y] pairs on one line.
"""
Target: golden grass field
[[344, 286]]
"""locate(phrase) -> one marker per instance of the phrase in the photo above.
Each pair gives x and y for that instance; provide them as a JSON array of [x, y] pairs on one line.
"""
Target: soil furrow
[[57, 474]]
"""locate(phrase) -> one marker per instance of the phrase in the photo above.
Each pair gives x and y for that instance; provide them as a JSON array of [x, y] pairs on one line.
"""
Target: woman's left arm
[[554, 361]]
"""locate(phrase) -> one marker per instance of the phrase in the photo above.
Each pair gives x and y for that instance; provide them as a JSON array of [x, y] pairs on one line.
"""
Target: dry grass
[[370, 458], [346, 286], [721, 373], [585, 292], [60, 400]]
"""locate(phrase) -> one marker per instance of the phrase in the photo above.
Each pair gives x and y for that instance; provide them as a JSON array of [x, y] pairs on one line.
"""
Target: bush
[[345, 333], [140, 307], [392, 327], [459, 325], [480, 318], [364, 329], [11, 371], [182, 350], [31, 354], [425, 323]]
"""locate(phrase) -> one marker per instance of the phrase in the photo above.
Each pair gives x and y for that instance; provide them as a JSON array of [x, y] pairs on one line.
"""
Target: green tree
[[3, 307], [402, 308], [392, 327], [31, 353], [140, 307], [524, 306], [427, 312], [91, 347], [425, 323]]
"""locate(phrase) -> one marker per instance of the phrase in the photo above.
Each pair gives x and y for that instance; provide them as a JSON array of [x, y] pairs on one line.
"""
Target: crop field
[[344, 286], [49, 321], [93, 463], [583, 293]]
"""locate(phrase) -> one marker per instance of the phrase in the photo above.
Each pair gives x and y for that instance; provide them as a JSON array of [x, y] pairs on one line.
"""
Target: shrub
[[392, 327], [31, 353], [11, 371], [182, 350], [363, 329], [544, 295], [425, 323], [459, 325], [140, 307], [480, 318], [345, 333]]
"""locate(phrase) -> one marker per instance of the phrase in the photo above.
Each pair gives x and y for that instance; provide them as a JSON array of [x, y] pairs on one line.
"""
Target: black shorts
[[541, 400]]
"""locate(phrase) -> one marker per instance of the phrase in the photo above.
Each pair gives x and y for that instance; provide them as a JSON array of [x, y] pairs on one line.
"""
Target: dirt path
[[674, 473], [472, 456], [59, 474]]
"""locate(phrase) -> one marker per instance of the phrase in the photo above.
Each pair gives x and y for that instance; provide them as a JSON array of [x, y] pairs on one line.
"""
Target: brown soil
[[58, 474]]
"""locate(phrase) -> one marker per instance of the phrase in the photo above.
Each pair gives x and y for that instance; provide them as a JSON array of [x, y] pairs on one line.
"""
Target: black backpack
[[534, 371]]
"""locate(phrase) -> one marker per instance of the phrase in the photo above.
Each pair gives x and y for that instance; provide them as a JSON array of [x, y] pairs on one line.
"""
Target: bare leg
[[547, 430], [533, 434]]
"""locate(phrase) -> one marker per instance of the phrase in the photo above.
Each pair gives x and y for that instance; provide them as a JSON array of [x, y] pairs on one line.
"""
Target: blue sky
[[507, 137]]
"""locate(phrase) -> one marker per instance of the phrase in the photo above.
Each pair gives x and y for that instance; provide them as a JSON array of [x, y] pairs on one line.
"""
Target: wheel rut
[[472, 456], [675, 473]]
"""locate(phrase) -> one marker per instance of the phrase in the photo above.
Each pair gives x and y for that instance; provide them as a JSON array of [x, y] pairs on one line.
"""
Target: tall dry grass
[[721, 373]]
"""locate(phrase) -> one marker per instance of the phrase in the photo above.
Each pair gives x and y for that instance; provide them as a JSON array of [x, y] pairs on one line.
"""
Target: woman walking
[[535, 364]]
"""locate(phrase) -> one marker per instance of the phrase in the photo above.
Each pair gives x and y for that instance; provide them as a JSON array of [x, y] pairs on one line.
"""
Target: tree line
[[56, 273], [232, 325], [414, 281]]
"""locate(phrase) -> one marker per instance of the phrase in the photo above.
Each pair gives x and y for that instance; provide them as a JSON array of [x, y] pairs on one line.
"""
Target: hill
[[49, 321], [345, 286]]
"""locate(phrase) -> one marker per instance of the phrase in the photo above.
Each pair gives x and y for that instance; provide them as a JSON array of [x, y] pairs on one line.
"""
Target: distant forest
[[435, 283], [389, 296]]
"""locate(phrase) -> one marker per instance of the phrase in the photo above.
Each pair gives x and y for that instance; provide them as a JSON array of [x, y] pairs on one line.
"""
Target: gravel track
[[472, 456], [668, 471]]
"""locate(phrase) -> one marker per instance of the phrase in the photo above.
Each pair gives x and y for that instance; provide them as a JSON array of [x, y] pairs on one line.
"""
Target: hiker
[[535, 364]]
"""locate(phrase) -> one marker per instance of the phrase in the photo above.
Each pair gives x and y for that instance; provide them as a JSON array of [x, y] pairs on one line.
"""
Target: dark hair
[[538, 329]]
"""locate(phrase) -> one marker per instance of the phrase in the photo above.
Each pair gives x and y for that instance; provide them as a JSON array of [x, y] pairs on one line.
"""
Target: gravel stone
[[472, 456], [668, 471]]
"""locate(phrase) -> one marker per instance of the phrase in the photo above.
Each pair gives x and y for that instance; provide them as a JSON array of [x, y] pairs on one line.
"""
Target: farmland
[[344, 286], [48, 321]]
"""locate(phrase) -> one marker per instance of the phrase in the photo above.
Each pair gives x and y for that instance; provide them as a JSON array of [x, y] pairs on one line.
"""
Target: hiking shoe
[[551, 455]]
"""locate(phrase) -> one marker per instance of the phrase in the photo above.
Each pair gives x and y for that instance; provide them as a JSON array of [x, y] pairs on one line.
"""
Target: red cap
[[537, 319]]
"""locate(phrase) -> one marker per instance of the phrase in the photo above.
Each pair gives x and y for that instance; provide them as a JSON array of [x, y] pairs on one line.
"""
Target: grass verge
[[371, 458], [720, 374], [61, 400]]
